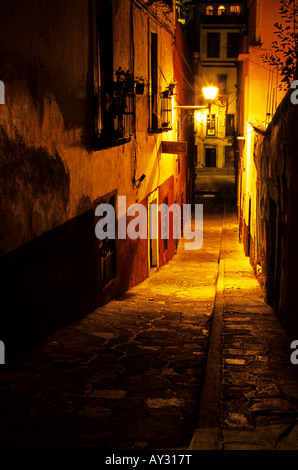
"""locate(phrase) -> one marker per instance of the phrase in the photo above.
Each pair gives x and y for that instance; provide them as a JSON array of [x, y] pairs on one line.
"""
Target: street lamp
[[210, 92]]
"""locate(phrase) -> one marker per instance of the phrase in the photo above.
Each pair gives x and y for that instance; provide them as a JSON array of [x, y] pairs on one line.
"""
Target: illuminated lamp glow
[[210, 92]]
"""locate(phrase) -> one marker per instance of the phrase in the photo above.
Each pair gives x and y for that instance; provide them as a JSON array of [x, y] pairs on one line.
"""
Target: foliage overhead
[[283, 57]]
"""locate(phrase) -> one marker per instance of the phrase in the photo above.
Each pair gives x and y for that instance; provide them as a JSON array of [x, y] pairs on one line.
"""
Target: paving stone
[[130, 374]]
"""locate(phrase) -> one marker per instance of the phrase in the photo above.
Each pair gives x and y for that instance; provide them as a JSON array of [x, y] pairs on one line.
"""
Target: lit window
[[221, 10], [210, 125], [235, 10], [209, 10]]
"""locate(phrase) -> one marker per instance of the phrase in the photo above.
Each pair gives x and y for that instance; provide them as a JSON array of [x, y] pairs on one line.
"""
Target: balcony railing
[[160, 113], [115, 117]]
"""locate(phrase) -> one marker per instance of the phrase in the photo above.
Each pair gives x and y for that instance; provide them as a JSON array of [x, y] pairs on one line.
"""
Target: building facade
[[219, 27], [258, 98], [90, 94]]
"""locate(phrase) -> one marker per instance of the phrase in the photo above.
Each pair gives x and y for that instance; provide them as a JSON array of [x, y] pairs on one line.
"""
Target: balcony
[[160, 116], [115, 118]]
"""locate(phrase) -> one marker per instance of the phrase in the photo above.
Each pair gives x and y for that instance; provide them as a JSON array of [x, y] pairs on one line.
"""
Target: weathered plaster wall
[[276, 216], [50, 177], [47, 72]]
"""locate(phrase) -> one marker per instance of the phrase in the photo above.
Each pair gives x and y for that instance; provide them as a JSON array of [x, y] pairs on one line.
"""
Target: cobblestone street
[[131, 375], [254, 406]]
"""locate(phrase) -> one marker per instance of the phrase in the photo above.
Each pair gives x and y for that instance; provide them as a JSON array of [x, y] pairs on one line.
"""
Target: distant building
[[218, 28]]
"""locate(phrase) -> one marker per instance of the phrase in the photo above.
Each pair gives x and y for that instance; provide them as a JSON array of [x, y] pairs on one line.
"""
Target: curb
[[207, 434]]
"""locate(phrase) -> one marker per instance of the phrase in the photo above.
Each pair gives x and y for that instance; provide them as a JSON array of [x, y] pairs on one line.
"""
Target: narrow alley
[[148, 227], [191, 358], [127, 376]]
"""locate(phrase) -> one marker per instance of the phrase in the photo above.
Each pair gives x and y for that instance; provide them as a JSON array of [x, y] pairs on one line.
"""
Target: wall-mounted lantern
[[137, 183], [210, 93]]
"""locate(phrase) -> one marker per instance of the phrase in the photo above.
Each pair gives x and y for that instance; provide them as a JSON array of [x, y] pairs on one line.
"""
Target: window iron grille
[[116, 117]]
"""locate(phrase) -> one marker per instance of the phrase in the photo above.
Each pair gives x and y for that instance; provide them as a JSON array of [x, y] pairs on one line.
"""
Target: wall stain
[[34, 191]]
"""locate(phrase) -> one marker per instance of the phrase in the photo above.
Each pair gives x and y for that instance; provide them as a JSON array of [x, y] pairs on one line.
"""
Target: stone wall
[[275, 257]]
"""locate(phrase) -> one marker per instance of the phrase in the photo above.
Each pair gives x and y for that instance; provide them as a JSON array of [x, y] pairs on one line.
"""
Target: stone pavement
[[255, 406], [127, 376], [190, 359]]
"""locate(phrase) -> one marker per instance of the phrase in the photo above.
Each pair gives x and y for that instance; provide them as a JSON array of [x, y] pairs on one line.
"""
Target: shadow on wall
[[48, 283], [38, 288], [34, 192]]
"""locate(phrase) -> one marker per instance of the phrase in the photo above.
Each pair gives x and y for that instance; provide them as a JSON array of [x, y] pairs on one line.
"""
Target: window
[[232, 45], [209, 10], [230, 124], [113, 107], [166, 110], [235, 10], [222, 84], [213, 45], [154, 83], [160, 103], [221, 10], [210, 127]]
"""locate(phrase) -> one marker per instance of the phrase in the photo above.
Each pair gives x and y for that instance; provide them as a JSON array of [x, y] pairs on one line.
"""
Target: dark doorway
[[210, 157]]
